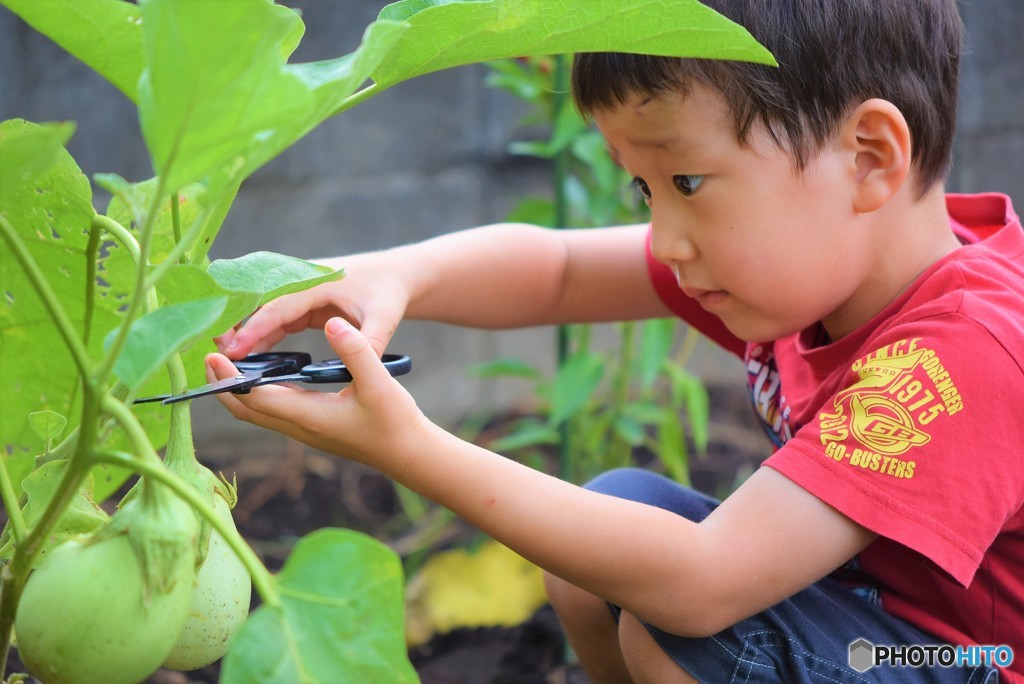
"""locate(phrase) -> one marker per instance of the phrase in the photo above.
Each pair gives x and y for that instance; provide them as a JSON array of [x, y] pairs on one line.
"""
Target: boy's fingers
[[355, 351], [267, 325], [262, 407]]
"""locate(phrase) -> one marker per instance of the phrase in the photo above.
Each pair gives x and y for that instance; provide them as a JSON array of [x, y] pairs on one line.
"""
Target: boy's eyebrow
[[672, 144]]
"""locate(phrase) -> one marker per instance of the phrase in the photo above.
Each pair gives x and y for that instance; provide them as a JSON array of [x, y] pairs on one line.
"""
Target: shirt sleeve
[[687, 308], [921, 441]]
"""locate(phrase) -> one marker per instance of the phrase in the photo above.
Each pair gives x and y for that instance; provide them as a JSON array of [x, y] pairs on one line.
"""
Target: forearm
[[634, 555], [514, 275]]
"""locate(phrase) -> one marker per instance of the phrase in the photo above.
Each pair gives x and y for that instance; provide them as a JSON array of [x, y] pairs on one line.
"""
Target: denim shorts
[[801, 640]]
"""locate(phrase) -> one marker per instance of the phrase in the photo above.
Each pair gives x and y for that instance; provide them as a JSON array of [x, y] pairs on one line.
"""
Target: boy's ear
[[877, 138]]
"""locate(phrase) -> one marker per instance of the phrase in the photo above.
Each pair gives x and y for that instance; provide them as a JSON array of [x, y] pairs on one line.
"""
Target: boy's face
[[768, 249]]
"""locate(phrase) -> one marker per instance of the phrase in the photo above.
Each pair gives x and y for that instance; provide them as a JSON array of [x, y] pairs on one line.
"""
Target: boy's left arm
[[765, 542]]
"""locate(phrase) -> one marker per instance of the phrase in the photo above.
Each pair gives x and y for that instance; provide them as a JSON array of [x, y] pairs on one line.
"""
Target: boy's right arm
[[499, 276]]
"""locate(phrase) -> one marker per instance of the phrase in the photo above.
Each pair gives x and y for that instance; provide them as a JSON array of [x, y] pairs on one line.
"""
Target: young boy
[[799, 220]]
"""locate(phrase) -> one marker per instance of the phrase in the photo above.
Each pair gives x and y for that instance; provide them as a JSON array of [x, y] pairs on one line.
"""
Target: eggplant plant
[[98, 309]]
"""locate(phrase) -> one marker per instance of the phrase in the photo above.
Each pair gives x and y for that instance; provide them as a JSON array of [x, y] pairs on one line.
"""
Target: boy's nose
[[669, 241]]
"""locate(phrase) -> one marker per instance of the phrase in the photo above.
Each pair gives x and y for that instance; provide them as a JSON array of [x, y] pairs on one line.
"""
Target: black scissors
[[274, 367]]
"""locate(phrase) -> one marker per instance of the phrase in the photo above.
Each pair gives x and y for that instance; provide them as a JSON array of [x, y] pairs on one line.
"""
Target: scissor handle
[[269, 364], [333, 370]]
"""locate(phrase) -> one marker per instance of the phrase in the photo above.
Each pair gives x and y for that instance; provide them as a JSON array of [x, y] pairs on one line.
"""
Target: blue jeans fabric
[[802, 640]]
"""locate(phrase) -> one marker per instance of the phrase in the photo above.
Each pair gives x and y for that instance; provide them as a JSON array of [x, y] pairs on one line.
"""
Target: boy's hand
[[368, 296], [373, 419]]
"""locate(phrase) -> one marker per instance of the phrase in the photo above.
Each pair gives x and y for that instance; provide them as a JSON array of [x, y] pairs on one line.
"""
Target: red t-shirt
[[913, 426]]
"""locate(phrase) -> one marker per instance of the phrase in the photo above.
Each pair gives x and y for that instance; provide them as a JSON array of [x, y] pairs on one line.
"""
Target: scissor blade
[[239, 382]]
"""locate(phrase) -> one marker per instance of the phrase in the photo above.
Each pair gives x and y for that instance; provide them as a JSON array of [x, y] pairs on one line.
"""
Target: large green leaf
[[105, 34], [447, 33], [216, 99], [213, 89], [50, 212], [340, 620]]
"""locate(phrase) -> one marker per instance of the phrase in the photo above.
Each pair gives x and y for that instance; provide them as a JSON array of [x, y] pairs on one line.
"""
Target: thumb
[[355, 351]]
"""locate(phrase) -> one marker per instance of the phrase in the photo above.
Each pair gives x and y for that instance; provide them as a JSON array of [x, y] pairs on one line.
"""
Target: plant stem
[[620, 391], [359, 96], [177, 254], [133, 429], [92, 251], [15, 574], [560, 177], [121, 234], [11, 502], [175, 218], [689, 344], [261, 577], [50, 301], [139, 296]]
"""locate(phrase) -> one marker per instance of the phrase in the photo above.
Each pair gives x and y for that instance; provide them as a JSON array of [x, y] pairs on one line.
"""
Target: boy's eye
[[641, 186], [687, 184]]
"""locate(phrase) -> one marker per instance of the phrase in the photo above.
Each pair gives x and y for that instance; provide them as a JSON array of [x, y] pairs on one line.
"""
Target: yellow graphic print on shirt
[[902, 387]]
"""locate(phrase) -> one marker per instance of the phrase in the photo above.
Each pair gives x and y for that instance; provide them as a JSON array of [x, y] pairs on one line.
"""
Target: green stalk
[[15, 574], [688, 346], [560, 177], [50, 301], [175, 218], [620, 390], [359, 96], [92, 251], [11, 503], [209, 223], [178, 254], [121, 234], [261, 577], [140, 294]]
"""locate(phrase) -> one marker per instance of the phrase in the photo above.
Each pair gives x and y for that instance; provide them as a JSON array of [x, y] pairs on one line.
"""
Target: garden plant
[[101, 308]]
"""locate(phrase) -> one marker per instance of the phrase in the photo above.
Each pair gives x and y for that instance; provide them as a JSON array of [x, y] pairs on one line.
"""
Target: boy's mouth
[[705, 298]]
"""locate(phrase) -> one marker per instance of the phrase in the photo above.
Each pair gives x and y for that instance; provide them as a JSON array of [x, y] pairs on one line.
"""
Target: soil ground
[[284, 497]]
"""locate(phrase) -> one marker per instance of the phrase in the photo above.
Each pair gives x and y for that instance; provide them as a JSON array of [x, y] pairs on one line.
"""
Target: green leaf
[[340, 620], [185, 283], [629, 430], [688, 391], [505, 368], [105, 34], [533, 210], [50, 212], [80, 517], [47, 425], [655, 344], [271, 275], [527, 433], [27, 150], [217, 100], [574, 384], [131, 202], [448, 33], [214, 88], [670, 447], [154, 337]]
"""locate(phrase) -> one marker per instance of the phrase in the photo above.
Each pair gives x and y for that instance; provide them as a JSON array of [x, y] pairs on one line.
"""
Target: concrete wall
[[429, 157]]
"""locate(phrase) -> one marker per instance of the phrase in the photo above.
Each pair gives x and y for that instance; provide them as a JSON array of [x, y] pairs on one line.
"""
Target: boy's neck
[[906, 237]]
